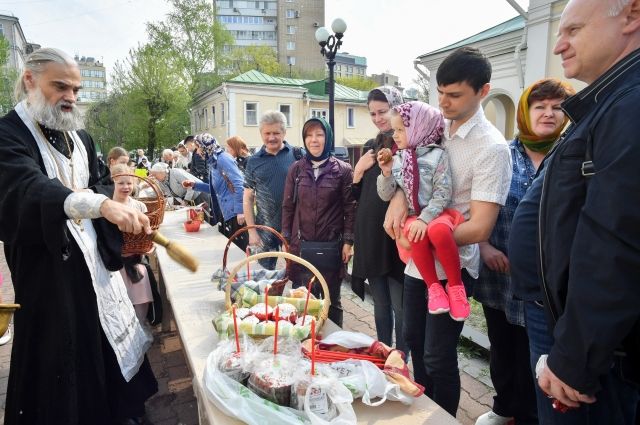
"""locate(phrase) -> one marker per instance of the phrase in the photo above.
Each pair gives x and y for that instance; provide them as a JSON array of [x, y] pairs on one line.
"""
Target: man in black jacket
[[589, 218]]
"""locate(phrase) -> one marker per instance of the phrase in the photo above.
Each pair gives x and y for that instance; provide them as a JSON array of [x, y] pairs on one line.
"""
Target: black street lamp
[[329, 45]]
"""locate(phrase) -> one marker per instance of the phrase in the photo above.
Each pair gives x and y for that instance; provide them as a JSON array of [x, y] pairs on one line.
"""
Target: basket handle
[[238, 232], [324, 314], [151, 182]]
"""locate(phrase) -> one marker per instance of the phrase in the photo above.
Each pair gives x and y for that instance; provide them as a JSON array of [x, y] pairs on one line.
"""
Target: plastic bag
[[322, 395], [236, 400], [348, 339], [396, 371], [365, 380], [233, 364], [272, 378]]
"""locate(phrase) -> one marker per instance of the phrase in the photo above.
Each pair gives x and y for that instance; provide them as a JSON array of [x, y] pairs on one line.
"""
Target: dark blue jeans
[[300, 276], [387, 308], [616, 402], [269, 243], [434, 339]]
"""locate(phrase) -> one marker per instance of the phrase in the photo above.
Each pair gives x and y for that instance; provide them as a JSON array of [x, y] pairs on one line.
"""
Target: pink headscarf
[[425, 126]]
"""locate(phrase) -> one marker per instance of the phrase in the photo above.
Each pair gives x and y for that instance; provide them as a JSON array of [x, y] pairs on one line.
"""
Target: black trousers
[[510, 369], [127, 399], [432, 340], [300, 276]]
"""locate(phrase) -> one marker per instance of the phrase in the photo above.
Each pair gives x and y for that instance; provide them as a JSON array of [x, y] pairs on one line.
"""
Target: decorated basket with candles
[[260, 314]]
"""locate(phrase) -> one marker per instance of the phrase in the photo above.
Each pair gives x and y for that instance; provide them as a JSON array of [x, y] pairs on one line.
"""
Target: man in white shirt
[[481, 172]]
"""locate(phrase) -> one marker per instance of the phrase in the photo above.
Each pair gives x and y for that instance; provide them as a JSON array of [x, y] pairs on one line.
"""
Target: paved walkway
[[175, 403]]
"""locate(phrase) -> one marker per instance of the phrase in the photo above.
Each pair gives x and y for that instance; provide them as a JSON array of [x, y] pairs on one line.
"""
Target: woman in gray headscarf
[[375, 255]]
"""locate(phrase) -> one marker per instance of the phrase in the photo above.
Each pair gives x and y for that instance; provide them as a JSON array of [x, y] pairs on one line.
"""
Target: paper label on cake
[[318, 401]]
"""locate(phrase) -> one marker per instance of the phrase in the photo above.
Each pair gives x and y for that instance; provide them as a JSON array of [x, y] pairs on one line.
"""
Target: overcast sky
[[389, 33]]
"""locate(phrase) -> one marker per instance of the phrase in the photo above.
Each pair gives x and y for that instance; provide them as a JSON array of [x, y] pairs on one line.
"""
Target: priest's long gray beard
[[52, 116]]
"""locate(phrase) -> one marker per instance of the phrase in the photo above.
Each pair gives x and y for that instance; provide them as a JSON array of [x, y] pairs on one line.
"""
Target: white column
[[540, 39]]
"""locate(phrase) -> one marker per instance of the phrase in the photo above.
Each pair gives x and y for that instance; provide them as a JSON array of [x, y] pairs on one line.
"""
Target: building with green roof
[[520, 51], [235, 107]]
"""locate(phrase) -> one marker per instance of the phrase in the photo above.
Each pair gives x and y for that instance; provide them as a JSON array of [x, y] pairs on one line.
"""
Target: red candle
[[235, 329], [275, 337], [306, 303], [313, 347], [266, 302], [248, 252]]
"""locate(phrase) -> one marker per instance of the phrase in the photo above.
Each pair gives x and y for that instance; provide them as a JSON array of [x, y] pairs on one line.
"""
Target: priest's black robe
[[63, 370]]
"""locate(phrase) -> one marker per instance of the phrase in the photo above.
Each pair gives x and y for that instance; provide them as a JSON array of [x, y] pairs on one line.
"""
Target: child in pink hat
[[421, 168]]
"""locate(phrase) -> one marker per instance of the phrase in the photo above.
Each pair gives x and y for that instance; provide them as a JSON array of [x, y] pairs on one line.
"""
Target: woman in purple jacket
[[319, 206]]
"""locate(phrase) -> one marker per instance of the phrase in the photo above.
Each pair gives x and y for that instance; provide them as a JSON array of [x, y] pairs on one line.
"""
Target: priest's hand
[[127, 219]]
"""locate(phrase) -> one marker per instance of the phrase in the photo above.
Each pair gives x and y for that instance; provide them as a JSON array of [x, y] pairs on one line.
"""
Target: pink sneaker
[[459, 305], [438, 300]]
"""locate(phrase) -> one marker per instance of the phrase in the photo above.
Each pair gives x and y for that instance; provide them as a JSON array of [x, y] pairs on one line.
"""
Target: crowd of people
[[542, 231]]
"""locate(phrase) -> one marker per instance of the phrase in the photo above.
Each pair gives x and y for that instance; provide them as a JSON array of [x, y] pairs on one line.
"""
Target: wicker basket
[[143, 243], [324, 313], [278, 286]]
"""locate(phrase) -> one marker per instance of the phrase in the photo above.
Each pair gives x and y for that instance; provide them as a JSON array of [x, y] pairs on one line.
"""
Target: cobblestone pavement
[[175, 403]]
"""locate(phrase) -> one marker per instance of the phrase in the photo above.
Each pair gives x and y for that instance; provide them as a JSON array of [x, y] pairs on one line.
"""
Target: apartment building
[[348, 65], [287, 26]]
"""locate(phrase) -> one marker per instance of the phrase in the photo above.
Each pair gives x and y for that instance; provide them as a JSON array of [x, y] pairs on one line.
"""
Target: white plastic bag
[[236, 400], [365, 380], [340, 397], [348, 339]]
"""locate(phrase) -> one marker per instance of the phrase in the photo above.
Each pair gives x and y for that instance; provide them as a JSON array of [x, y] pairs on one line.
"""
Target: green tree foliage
[[423, 88], [261, 58], [8, 77], [155, 95], [193, 39], [358, 83], [117, 121], [151, 90]]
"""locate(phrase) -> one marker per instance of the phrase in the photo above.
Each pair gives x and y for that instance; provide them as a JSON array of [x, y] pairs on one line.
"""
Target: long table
[[195, 301]]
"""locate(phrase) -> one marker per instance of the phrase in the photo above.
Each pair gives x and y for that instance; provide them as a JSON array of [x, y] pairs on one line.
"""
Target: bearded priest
[[78, 354]]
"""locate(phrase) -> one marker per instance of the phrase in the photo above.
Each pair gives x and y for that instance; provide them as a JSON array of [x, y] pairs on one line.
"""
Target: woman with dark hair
[[375, 255], [318, 206], [237, 148], [540, 121]]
